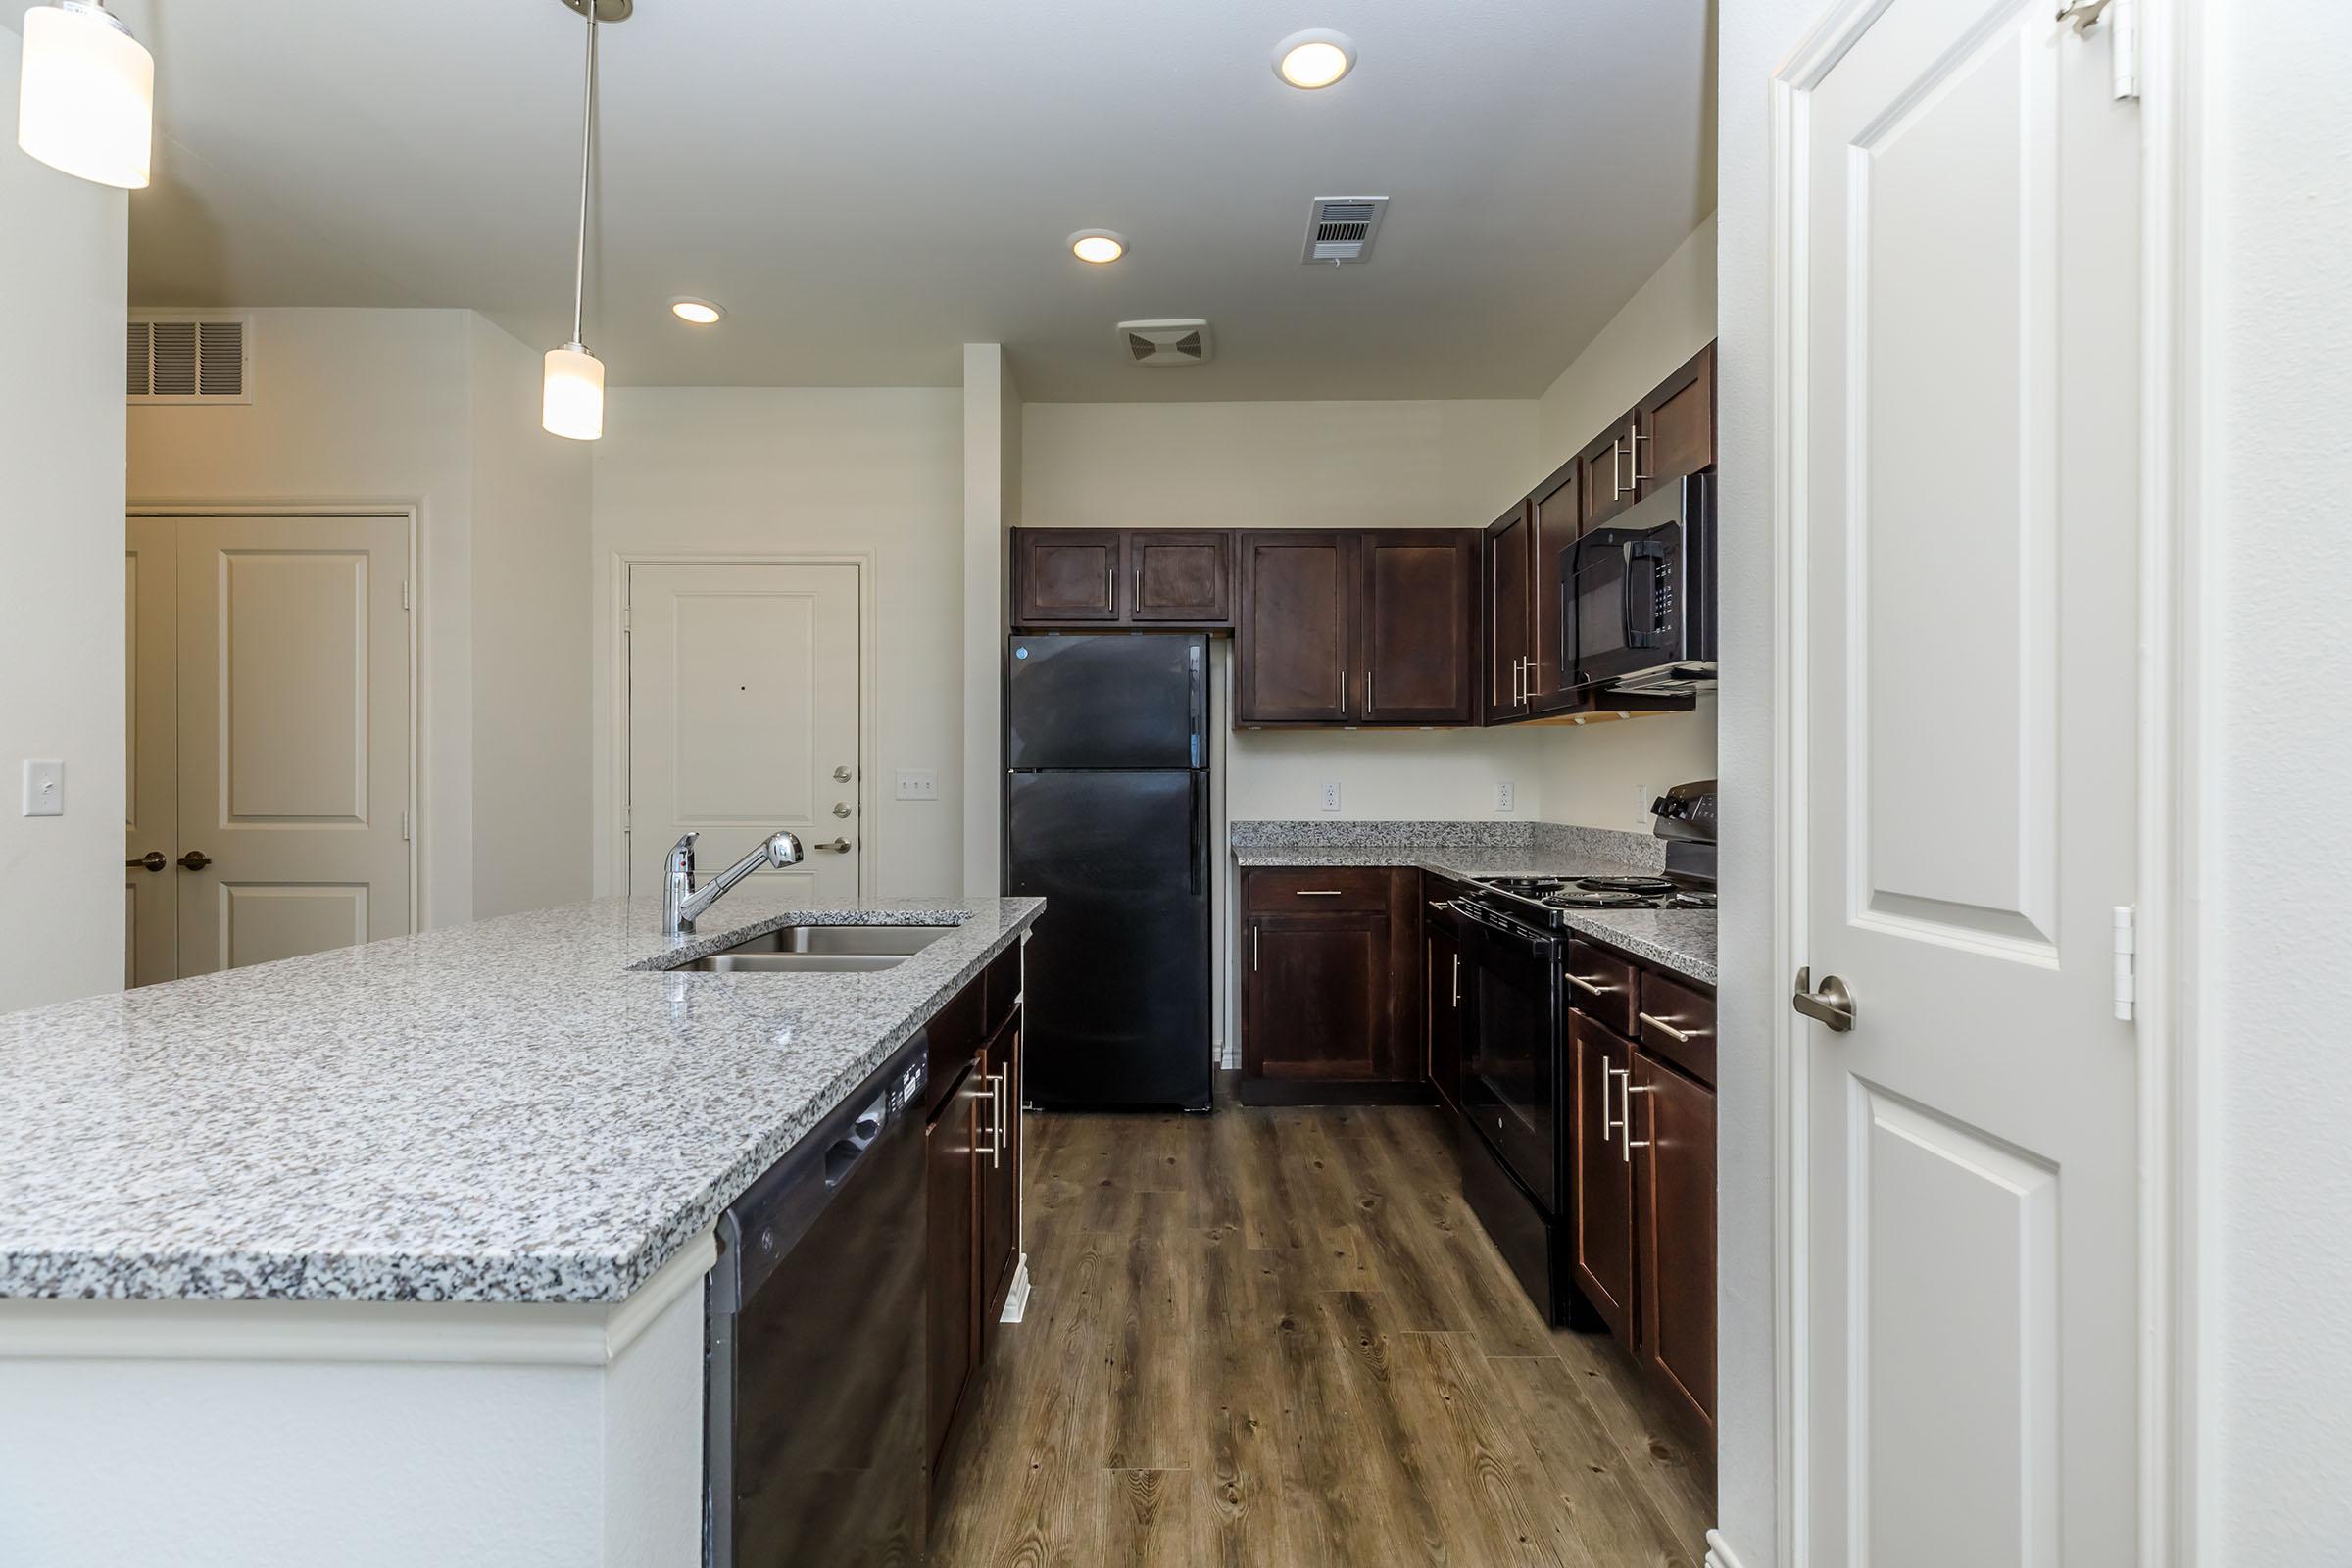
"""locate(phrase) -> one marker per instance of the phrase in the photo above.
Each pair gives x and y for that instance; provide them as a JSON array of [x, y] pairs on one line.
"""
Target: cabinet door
[[1180, 578], [952, 1259], [1291, 646], [1315, 996], [1066, 576], [1607, 471], [1678, 423], [1510, 548], [1556, 517], [1417, 632], [1000, 1165], [1442, 1010], [1674, 1122], [1602, 1244]]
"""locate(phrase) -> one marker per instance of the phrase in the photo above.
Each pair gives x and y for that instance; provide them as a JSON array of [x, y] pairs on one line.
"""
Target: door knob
[[195, 860], [1831, 1004], [837, 846], [153, 861]]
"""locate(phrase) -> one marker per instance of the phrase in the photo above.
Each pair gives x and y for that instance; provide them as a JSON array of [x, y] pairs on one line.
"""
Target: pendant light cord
[[579, 270]]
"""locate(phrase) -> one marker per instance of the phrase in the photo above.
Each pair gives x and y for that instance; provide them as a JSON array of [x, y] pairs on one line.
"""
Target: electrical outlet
[[1331, 796], [1506, 796], [1642, 813], [916, 785], [44, 787]]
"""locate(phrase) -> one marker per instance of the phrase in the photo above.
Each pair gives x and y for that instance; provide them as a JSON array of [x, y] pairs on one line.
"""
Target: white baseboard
[[1016, 1299], [1720, 1553]]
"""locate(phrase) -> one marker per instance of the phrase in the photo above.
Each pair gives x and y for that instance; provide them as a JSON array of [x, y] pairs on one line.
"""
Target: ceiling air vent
[[185, 361], [1341, 228], [1180, 341]]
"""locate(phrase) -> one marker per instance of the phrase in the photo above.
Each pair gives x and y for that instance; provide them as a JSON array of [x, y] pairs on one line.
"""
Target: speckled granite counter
[[1679, 940], [503, 1111]]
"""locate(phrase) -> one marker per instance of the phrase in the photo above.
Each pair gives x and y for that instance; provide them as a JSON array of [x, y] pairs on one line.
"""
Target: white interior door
[[293, 736], [1966, 244], [151, 749], [743, 719]]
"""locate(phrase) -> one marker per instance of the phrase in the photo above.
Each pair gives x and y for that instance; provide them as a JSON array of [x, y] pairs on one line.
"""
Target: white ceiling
[[867, 185]]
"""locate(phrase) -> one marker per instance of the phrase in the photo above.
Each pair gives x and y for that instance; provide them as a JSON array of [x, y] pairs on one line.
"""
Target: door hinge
[[624, 819], [625, 620], [2121, 18], [403, 827], [404, 593], [2126, 960]]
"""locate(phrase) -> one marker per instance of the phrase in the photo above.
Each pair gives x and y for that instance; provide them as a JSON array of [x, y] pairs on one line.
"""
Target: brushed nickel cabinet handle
[[1678, 1036], [1137, 603], [1253, 950], [1317, 893], [1342, 694], [1588, 988], [1458, 979], [1633, 447]]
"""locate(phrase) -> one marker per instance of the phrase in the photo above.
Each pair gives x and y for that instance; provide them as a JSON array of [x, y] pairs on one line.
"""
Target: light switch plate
[[44, 787], [1331, 796], [1504, 796], [917, 785]]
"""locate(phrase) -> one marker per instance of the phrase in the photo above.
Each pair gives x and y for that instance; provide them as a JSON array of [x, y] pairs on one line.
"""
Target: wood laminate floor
[[1277, 1338]]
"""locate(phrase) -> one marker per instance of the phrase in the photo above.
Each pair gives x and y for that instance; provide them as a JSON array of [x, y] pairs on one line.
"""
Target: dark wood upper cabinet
[[1294, 631], [1555, 518], [1509, 562], [1180, 578], [1607, 469], [1673, 1172], [1066, 576], [1678, 423], [1418, 625]]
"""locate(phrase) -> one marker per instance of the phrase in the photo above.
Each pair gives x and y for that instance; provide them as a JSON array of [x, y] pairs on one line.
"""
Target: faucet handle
[[681, 854]]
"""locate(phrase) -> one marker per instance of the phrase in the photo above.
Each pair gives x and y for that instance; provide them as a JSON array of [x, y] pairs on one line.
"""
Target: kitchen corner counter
[[528, 1108], [1679, 940]]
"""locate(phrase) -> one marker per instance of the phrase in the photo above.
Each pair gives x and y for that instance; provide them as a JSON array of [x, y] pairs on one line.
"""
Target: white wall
[[530, 639], [64, 261], [1607, 775], [770, 472], [2274, 930], [1389, 774], [436, 410]]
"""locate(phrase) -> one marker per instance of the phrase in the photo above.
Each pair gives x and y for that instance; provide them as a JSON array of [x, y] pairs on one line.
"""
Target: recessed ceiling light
[[702, 313], [1315, 58], [1097, 245]]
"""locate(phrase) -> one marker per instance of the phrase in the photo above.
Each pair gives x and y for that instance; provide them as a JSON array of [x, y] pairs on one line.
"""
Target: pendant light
[[86, 103], [572, 393]]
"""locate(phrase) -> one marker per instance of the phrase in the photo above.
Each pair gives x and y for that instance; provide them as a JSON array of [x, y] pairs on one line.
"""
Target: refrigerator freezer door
[[1105, 701], [1117, 989]]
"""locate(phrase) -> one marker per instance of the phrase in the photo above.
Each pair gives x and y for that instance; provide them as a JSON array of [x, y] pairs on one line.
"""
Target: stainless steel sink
[[821, 949]]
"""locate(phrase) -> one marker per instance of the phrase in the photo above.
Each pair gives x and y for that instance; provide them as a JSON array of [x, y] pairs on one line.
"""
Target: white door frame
[[407, 514], [609, 832], [2174, 1371]]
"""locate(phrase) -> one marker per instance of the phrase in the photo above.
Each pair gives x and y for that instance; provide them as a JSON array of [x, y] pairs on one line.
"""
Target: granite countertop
[[1681, 941], [502, 1111]]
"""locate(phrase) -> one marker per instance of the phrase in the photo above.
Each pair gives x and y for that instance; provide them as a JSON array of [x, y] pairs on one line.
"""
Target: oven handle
[[1524, 941]]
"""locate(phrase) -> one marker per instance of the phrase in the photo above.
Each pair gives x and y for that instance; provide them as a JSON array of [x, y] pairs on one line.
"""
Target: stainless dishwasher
[[813, 1401]]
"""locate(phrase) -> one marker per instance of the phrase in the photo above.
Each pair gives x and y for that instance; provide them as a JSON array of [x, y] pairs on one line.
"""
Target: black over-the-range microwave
[[1640, 594]]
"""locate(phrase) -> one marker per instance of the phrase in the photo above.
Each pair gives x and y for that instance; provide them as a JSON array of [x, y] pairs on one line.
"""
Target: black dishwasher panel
[[814, 1378]]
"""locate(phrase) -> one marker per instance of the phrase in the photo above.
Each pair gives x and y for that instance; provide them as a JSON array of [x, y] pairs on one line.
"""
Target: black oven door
[[1511, 981]]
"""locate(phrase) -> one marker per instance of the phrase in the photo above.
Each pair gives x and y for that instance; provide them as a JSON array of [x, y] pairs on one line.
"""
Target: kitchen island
[[394, 1253]]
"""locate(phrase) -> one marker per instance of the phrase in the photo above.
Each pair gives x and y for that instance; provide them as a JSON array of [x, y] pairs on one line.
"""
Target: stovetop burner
[[1550, 897], [1525, 886], [1648, 886], [1585, 896]]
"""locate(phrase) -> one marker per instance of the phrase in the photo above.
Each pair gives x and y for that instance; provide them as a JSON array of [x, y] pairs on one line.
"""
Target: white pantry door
[[293, 736], [743, 719], [1965, 250]]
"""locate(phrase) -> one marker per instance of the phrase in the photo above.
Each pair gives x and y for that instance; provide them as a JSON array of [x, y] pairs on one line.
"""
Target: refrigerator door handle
[[1192, 834], [1193, 695]]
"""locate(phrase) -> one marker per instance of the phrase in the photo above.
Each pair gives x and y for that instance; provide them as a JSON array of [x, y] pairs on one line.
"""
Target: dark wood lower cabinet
[[1674, 1204], [998, 1165], [1601, 1236], [1331, 984], [952, 1254], [1442, 1004]]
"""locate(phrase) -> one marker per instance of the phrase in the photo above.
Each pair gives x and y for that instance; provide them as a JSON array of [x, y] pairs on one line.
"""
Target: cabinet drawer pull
[[1628, 1089], [1435, 904], [1633, 447], [1318, 892], [1254, 949], [1608, 1119], [1678, 1036], [1458, 979], [1589, 988]]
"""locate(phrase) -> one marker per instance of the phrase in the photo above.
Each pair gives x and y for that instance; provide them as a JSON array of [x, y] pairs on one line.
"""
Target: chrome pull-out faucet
[[683, 904]]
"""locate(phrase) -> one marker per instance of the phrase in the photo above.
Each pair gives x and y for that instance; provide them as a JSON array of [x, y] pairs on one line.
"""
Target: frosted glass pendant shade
[[86, 100], [573, 404]]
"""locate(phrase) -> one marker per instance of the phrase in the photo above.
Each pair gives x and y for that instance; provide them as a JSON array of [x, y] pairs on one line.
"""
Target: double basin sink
[[821, 949]]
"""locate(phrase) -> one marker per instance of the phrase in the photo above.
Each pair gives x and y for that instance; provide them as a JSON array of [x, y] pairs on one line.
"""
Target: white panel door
[[743, 719], [293, 736], [151, 750], [1968, 397]]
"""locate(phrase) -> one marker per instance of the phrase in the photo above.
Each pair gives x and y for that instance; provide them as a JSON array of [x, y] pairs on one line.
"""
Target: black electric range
[[1548, 901]]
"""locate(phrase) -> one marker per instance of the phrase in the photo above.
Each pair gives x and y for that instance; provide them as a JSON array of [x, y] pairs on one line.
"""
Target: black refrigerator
[[1107, 818]]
